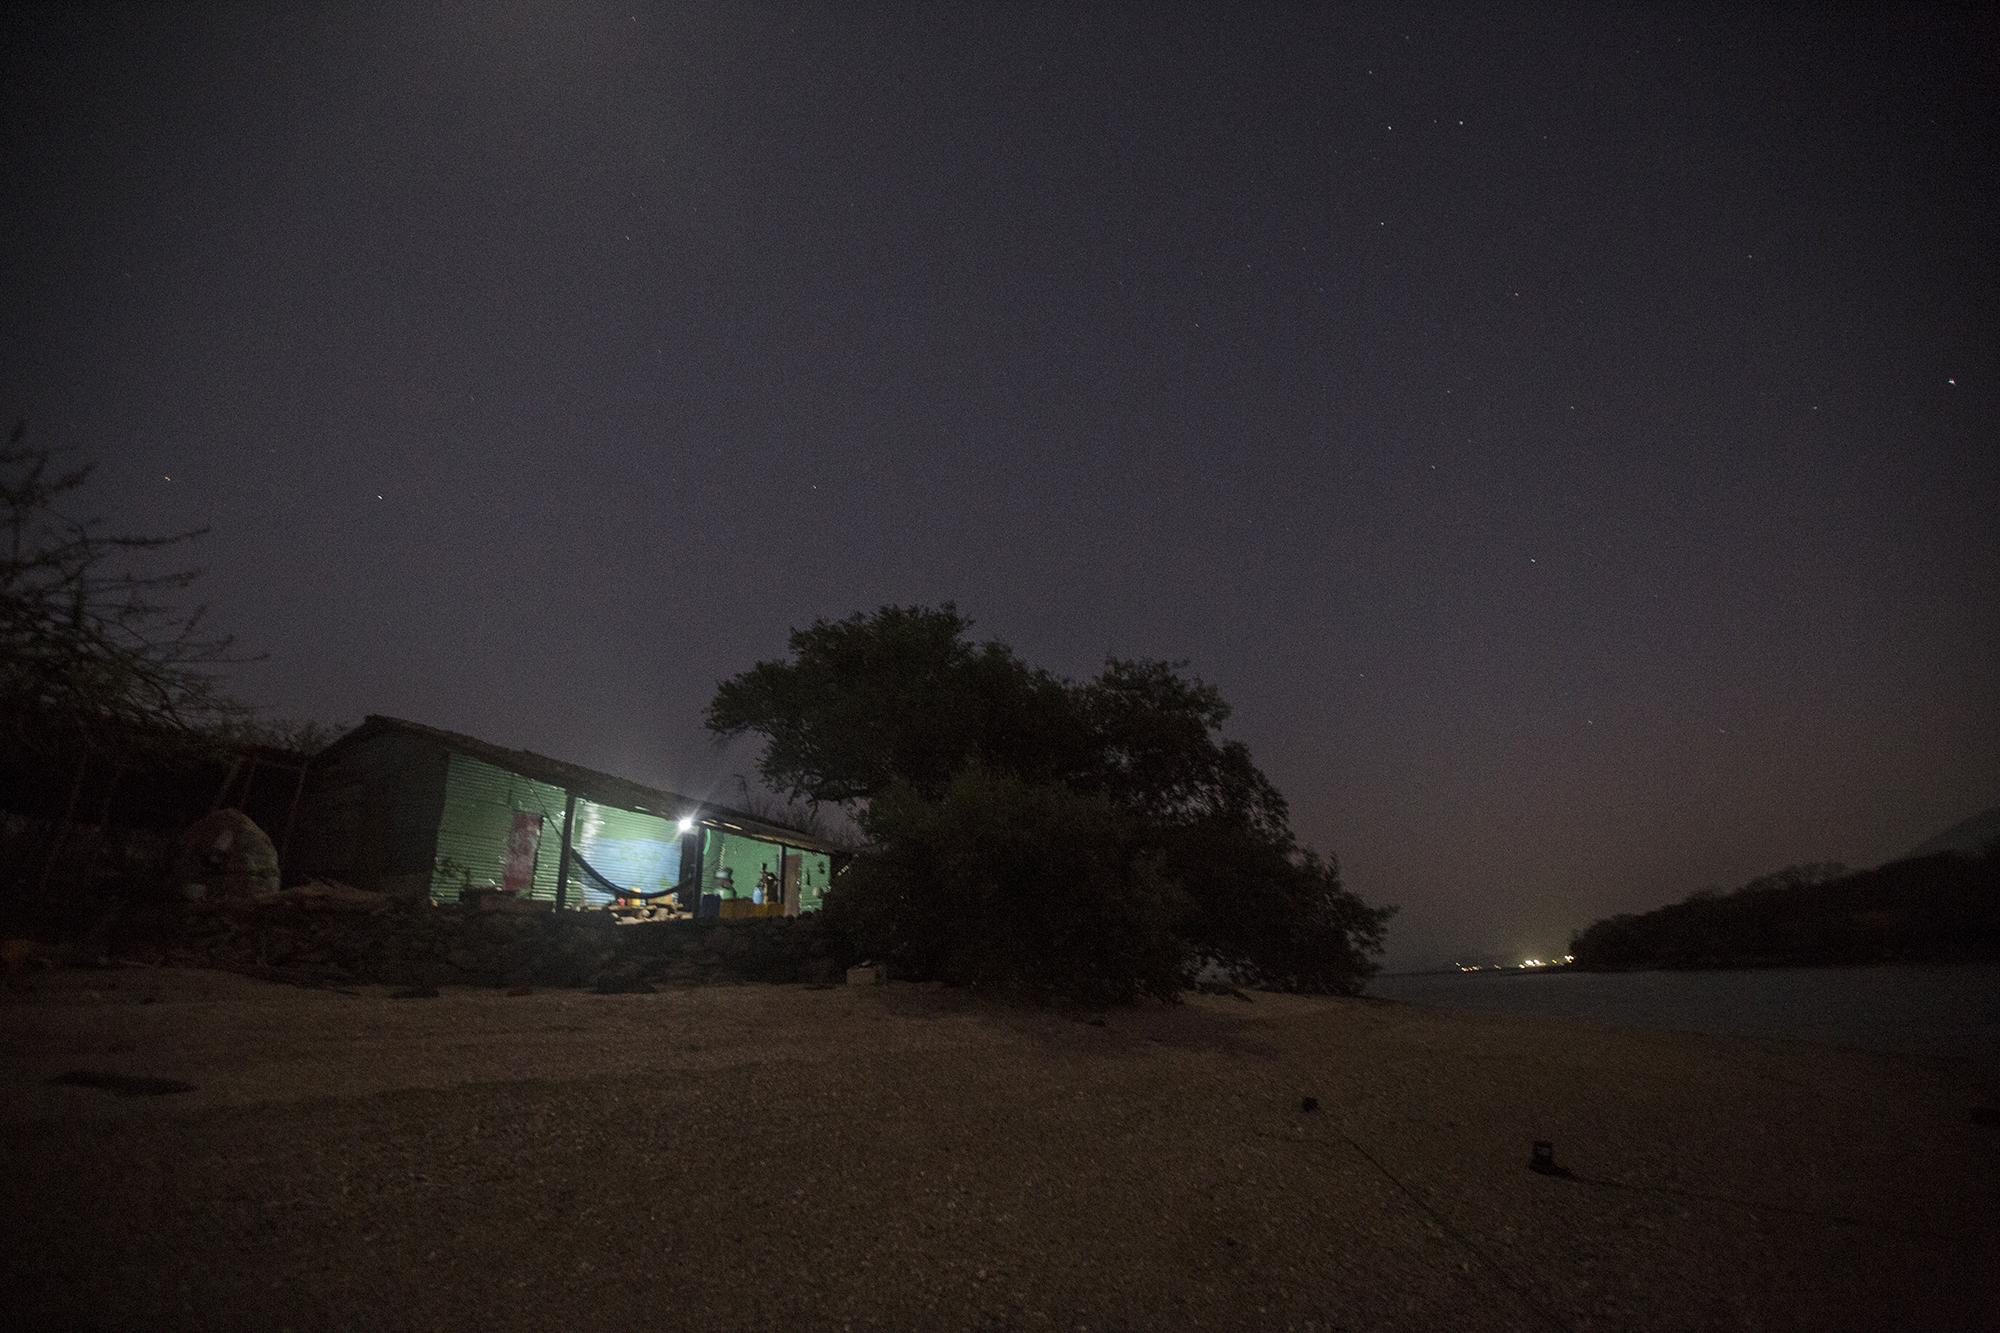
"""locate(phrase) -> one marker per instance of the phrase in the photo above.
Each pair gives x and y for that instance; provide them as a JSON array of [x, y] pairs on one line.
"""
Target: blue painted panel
[[633, 851]]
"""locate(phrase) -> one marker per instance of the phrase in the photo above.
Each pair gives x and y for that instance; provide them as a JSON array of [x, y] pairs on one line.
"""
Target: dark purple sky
[[1567, 437]]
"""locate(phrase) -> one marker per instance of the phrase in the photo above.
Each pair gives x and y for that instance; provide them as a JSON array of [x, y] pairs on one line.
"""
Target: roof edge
[[594, 784]]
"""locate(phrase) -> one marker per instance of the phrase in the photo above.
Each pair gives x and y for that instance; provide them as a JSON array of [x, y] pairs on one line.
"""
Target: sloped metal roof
[[604, 788]]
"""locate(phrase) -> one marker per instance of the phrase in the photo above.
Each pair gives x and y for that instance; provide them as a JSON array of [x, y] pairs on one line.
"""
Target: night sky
[[1566, 436]]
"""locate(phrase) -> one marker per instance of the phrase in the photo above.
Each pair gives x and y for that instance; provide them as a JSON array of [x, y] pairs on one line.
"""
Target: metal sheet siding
[[478, 814], [815, 878], [632, 850], [746, 856]]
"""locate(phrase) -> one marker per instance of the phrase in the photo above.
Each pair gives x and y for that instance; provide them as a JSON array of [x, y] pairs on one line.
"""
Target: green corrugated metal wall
[[815, 877], [632, 849], [478, 815], [745, 856]]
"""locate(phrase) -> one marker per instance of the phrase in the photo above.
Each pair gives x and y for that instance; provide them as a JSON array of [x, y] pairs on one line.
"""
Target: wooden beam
[[695, 837], [292, 814]]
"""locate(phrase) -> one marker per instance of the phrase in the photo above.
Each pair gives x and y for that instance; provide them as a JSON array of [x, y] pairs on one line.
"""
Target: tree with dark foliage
[[103, 674], [901, 696], [1033, 889], [1034, 835], [1152, 739]]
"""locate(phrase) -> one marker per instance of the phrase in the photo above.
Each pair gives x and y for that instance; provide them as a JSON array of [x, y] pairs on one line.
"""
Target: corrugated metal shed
[[633, 849], [406, 807], [605, 788]]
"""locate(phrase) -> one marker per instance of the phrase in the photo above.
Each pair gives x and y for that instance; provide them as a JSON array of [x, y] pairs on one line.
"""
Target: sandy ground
[[782, 1157]]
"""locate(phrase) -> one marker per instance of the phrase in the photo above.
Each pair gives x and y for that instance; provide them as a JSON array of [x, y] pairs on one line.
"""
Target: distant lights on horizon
[[1523, 965]]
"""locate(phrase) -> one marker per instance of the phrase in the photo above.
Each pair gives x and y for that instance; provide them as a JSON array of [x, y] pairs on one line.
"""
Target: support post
[[562, 860], [292, 811], [228, 781], [691, 869]]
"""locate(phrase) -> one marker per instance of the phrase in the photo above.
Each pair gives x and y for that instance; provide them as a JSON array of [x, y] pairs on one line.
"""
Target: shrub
[[1028, 889], [1272, 914]]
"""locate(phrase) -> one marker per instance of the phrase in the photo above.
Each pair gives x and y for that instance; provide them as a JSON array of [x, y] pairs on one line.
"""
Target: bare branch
[[88, 643]]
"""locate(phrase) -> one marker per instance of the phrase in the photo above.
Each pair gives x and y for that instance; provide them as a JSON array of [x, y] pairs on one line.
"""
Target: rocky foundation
[[331, 934]]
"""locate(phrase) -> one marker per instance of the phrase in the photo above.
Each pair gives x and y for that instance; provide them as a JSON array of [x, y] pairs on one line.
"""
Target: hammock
[[617, 891]]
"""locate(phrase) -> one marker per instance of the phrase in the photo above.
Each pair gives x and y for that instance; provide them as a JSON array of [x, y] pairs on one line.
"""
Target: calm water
[[1912, 1010]]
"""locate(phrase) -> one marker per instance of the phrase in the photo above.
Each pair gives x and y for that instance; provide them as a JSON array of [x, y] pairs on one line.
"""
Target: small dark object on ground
[[416, 993], [1544, 1161], [1986, 1115], [125, 1085], [1097, 1022], [521, 990], [1309, 1103]]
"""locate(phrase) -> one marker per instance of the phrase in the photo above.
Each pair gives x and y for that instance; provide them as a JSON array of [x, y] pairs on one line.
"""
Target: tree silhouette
[[95, 652], [1094, 839]]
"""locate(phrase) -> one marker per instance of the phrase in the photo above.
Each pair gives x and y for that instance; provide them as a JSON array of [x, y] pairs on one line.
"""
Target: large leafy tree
[[900, 696], [905, 696], [943, 748], [1153, 741]]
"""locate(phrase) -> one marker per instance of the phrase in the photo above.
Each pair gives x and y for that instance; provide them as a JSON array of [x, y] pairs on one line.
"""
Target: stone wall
[[332, 934]]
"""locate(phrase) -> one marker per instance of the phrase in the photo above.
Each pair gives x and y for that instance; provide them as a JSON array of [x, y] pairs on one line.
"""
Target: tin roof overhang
[[592, 784]]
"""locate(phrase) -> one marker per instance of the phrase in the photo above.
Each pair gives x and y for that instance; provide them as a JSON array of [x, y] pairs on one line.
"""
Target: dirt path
[[778, 1157]]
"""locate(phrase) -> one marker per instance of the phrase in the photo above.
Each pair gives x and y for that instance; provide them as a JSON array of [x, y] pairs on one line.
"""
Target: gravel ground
[[783, 1157]]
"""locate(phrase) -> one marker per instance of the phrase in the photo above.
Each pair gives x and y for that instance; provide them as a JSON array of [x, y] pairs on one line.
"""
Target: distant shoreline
[[1921, 1009], [1459, 971]]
